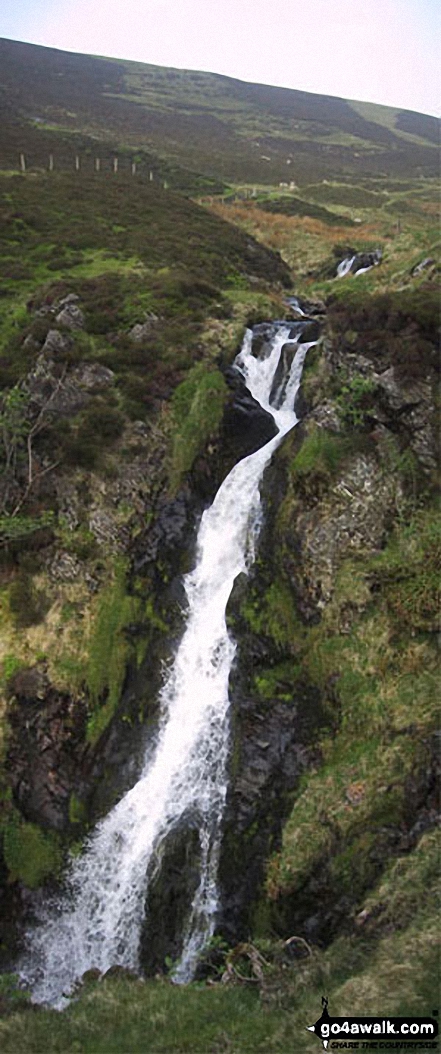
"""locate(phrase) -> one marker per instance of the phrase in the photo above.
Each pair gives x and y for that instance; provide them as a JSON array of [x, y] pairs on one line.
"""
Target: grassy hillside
[[220, 128], [124, 403]]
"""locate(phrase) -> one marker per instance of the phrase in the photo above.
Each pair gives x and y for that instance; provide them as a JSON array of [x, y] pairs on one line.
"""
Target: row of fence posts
[[97, 167]]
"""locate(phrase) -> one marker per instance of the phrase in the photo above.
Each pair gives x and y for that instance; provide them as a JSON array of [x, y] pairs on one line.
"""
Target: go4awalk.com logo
[[375, 1033]]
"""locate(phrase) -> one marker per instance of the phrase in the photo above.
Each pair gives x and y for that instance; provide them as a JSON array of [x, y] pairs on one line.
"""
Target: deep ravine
[[97, 922]]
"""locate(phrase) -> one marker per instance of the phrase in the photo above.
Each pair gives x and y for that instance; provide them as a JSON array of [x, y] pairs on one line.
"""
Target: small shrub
[[27, 604], [354, 403]]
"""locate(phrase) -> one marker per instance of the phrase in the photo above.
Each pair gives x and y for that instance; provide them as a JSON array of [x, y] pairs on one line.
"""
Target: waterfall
[[98, 919], [345, 266]]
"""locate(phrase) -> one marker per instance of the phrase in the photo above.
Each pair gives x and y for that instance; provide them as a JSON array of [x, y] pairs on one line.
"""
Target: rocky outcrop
[[47, 736]]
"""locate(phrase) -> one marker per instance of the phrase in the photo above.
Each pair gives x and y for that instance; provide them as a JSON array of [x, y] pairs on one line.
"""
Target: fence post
[[51, 162], [97, 164], [115, 164], [151, 176], [133, 168], [77, 163], [22, 163]]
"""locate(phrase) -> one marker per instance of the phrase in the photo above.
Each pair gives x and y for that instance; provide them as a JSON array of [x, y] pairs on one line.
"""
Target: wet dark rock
[[311, 331], [262, 334], [45, 747], [246, 427], [313, 307], [169, 533], [172, 887], [281, 375], [274, 745]]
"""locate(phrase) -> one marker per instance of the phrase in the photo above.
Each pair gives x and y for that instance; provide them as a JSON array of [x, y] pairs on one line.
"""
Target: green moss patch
[[31, 855], [197, 406], [109, 650]]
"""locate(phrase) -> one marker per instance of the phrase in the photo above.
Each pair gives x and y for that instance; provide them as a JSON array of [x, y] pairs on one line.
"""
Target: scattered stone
[[141, 330], [65, 567]]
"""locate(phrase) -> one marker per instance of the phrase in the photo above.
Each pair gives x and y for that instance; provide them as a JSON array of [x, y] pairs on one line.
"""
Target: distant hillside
[[188, 122]]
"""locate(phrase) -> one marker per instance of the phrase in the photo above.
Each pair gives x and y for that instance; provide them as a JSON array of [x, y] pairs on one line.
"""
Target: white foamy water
[[97, 922], [345, 266]]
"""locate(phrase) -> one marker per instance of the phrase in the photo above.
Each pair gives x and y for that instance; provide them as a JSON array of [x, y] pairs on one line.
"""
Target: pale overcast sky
[[384, 51]]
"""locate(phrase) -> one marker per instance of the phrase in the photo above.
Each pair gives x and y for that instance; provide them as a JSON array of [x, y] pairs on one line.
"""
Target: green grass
[[195, 127], [321, 453]]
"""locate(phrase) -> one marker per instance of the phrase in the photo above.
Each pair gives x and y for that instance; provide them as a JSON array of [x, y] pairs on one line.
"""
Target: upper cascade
[[98, 920]]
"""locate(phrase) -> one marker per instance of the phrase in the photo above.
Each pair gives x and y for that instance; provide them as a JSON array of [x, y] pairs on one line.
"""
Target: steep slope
[[218, 127]]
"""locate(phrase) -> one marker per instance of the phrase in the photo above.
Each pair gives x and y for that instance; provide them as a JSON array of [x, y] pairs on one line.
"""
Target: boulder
[[93, 377], [141, 330], [70, 316], [246, 426]]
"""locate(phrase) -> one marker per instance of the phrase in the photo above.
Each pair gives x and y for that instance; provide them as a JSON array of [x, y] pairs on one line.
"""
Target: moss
[[31, 854], [197, 407], [77, 810], [278, 682], [274, 615], [109, 650]]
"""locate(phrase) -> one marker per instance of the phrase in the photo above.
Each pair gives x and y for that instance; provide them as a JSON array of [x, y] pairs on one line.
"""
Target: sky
[[384, 51]]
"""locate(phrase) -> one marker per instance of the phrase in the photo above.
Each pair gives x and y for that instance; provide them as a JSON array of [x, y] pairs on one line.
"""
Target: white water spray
[[98, 921], [345, 266]]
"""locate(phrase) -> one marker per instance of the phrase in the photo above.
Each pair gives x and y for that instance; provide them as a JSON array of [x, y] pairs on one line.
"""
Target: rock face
[[47, 731], [274, 743]]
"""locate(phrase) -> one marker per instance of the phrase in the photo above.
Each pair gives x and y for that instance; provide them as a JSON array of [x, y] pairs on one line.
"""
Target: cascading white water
[[98, 921], [345, 266]]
